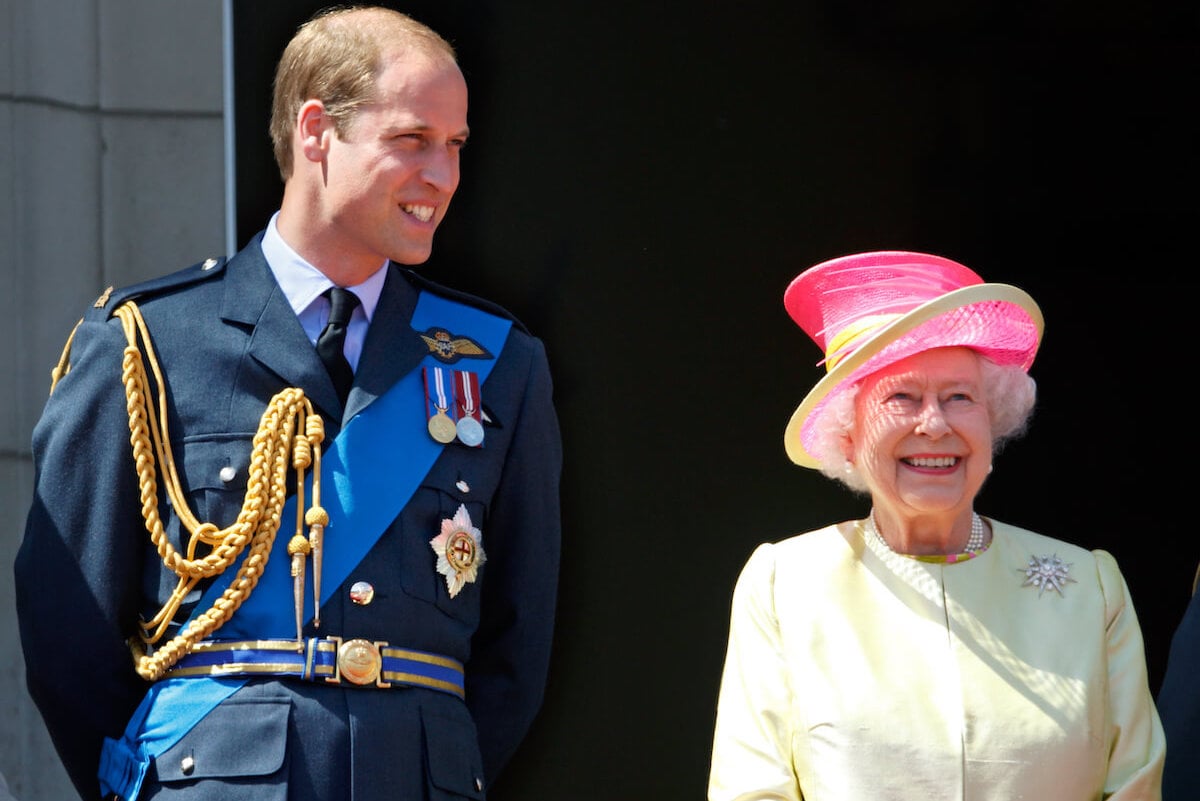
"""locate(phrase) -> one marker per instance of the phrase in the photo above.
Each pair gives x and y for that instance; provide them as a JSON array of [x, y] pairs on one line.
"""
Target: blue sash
[[373, 468]]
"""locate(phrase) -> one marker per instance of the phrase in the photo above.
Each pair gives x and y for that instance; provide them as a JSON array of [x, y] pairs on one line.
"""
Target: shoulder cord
[[64, 360], [275, 444]]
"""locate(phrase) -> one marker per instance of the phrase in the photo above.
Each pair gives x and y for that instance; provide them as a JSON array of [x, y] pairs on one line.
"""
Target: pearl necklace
[[974, 542]]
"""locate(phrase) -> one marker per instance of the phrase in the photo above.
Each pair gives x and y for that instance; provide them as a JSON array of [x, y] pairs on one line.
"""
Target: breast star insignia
[[459, 549]]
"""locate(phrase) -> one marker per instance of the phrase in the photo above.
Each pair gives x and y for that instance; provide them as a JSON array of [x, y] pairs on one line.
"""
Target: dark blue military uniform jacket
[[228, 342], [1179, 707]]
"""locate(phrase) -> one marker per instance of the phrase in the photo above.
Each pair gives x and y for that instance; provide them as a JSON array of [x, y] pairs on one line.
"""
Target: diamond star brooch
[[1046, 573]]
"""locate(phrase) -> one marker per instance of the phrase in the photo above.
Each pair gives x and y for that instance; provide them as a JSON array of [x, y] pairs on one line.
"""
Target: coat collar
[[392, 348], [254, 301]]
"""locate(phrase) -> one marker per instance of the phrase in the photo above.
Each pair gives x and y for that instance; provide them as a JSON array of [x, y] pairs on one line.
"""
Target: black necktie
[[333, 338]]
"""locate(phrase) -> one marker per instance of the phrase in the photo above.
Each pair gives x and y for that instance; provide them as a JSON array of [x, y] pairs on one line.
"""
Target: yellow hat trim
[[844, 341]]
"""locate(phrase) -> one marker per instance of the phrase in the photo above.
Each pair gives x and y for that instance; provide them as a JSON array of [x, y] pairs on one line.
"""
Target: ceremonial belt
[[326, 660]]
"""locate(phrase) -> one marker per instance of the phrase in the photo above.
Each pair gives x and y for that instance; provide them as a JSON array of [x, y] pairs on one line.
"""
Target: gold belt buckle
[[360, 661]]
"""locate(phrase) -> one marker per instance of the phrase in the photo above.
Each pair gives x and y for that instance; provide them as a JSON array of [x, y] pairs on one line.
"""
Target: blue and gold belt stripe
[[326, 660]]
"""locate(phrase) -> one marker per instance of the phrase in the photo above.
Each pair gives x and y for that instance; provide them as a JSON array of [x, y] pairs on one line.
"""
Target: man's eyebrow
[[421, 127]]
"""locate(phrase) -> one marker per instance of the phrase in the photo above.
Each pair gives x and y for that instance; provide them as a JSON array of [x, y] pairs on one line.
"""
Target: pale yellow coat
[[856, 674]]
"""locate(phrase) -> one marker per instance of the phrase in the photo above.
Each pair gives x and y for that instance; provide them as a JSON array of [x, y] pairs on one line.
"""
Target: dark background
[[643, 181]]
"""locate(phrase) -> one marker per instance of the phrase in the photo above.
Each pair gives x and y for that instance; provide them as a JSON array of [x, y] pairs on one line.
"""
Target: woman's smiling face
[[922, 435]]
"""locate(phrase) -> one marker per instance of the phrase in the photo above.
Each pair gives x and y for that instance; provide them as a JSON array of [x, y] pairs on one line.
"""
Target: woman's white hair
[[1010, 393]]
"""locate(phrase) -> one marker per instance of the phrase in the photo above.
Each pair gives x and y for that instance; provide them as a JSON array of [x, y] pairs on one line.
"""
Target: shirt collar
[[302, 283]]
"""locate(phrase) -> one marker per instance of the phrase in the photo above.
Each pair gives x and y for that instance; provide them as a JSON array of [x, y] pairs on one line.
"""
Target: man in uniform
[[288, 542]]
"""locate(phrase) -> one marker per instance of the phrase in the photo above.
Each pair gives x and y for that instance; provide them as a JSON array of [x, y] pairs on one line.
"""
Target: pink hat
[[869, 310]]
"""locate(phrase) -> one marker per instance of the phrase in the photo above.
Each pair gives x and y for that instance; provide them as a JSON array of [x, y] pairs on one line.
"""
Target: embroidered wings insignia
[[449, 348]]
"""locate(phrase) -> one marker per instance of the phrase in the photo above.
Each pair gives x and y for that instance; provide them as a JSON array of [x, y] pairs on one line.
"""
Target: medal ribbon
[[436, 400], [467, 386], [468, 391]]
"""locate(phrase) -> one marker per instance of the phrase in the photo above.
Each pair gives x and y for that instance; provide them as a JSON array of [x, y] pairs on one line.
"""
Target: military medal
[[470, 430], [441, 427], [459, 549]]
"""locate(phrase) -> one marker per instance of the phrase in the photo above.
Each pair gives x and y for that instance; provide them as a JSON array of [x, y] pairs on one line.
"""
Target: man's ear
[[314, 128]]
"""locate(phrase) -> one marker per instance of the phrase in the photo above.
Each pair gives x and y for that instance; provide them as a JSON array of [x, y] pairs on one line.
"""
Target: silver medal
[[470, 431]]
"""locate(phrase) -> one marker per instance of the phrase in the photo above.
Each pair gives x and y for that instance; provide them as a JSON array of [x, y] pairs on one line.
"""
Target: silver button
[[479, 784], [209, 264], [187, 765], [462, 486], [228, 473]]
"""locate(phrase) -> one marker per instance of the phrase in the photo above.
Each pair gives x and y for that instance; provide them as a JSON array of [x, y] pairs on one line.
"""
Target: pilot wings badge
[[449, 348]]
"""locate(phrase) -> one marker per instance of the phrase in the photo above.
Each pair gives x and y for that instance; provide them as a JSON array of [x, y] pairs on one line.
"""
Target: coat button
[[362, 593], [187, 765], [228, 473]]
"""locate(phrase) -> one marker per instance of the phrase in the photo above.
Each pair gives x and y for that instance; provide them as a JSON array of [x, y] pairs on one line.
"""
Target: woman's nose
[[932, 422]]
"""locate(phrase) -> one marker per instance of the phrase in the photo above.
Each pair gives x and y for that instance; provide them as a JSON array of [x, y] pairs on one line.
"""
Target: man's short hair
[[336, 57]]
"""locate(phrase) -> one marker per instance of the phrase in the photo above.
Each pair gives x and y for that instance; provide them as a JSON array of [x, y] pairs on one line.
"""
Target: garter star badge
[[1046, 573], [449, 348], [459, 550]]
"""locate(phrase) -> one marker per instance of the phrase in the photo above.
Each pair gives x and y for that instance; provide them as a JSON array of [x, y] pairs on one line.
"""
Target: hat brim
[[966, 296]]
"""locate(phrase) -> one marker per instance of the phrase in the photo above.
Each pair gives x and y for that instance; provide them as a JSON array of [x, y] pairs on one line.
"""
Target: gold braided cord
[[276, 447], [64, 360]]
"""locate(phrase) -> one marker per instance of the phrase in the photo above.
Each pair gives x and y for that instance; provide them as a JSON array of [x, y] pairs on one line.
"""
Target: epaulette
[[422, 282], [112, 298]]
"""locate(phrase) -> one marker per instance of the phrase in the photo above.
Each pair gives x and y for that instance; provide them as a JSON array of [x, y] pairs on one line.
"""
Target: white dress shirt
[[303, 285]]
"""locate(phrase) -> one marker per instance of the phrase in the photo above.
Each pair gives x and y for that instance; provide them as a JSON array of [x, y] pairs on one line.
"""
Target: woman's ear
[[847, 442]]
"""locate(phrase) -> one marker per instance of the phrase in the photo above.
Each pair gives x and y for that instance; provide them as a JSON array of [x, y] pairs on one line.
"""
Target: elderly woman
[[926, 652]]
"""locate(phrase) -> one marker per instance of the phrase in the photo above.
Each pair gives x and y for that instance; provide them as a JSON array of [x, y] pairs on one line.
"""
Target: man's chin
[[412, 256]]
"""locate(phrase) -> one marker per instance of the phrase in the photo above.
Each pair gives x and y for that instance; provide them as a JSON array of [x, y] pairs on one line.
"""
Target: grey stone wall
[[112, 171]]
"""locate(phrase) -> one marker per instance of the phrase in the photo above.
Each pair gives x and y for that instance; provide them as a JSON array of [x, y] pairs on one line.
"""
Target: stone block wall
[[112, 171]]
